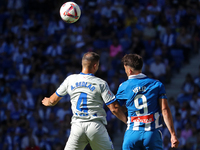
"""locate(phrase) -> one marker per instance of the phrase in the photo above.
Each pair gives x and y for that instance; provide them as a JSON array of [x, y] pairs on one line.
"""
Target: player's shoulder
[[124, 84], [99, 80], [154, 81]]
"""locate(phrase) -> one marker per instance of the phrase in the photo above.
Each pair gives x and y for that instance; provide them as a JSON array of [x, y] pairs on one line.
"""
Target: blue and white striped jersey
[[140, 94]]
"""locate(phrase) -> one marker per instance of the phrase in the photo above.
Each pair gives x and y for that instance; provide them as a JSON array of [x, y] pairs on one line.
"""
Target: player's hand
[[174, 141], [46, 102]]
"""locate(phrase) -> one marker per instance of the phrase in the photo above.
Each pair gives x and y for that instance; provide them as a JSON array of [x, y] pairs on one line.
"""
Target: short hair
[[89, 59], [133, 60]]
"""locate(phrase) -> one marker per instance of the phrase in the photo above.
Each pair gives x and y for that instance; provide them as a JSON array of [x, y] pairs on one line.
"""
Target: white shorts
[[94, 133]]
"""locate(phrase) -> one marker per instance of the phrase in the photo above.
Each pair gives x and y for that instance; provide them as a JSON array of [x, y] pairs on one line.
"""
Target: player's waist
[[88, 118]]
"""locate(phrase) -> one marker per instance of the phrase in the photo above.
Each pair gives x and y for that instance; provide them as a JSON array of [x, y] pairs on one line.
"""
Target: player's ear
[[95, 66], [130, 71]]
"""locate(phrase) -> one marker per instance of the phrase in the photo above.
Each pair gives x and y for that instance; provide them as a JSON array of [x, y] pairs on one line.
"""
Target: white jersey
[[88, 95]]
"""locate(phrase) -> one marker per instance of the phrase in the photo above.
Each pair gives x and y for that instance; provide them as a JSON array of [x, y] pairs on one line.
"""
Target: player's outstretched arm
[[52, 100], [117, 110], [167, 116]]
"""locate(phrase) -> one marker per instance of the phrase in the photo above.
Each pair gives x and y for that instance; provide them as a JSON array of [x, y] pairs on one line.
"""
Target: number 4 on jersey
[[82, 99]]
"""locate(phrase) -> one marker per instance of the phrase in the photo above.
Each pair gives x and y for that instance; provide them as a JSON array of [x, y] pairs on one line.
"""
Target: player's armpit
[[124, 109]]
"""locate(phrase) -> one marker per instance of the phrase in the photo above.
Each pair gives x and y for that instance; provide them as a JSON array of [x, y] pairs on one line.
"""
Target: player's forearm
[[167, 116], [54, 99], [118, 112], [116, 109], [52, 102]]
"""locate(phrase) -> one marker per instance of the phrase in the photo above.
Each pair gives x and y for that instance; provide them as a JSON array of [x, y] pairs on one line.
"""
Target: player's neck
[[87, 71], [134, 73]]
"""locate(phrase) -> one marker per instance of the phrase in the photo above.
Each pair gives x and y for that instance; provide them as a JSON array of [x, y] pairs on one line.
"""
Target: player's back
[[142, 103], [88, 95]]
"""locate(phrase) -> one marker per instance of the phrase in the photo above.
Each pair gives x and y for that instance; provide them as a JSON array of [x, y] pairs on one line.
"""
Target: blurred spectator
[[182, 141], [158, 69], [19, 55], [197, 144], [137, 46], [25, 99], [149, 32], [24, 69], [54, 50], [195, 121], [45, 142], [186, 133], [6, 96], [168, 39], [178, 121], [30, 140], [106, 33], [171, 101], [195, 103], [115, 48], [184, 41], [197, 78], [63, 111], [187, 89], [137, 8], [116, 21], [40, 130], [130, 19], [154, 9], [106, 10]]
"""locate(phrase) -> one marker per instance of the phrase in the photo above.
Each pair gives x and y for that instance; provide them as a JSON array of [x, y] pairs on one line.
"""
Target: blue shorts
[[142, 140]]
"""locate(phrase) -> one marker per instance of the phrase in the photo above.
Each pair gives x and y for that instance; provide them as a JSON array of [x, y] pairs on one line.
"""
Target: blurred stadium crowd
[[38, 50]]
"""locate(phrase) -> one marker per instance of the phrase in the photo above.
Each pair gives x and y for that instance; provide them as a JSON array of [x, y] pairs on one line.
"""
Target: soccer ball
[[70, 12]]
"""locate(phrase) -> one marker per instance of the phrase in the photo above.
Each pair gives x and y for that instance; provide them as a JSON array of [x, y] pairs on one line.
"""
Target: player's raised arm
[[52, 100], [167, 116], [117, 110]]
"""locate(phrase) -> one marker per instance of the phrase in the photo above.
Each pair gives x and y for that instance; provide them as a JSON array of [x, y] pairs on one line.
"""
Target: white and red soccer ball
[[70, 12]]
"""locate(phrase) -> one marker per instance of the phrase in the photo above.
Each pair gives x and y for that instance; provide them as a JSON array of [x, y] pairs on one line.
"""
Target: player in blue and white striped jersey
[[145, 100], [88, 95]]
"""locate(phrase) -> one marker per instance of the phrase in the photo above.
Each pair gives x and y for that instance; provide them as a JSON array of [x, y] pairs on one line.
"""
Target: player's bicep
[[162, 92], [163, 104], [62, 89], [106, 94]]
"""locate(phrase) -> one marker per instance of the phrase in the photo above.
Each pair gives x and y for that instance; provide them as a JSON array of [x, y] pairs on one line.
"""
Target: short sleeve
[[106, 94], [121, 95], [62, 89], [162, 92]]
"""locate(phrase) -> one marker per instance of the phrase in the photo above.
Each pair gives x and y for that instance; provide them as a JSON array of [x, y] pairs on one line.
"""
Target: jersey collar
[[138, 76], [90, 74]]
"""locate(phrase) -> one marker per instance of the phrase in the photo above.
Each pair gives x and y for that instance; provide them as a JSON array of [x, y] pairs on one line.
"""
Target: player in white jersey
[[88, 95]]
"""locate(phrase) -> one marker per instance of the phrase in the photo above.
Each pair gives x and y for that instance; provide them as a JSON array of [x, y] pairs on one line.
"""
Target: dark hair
[[133, 60], [90, 58]]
